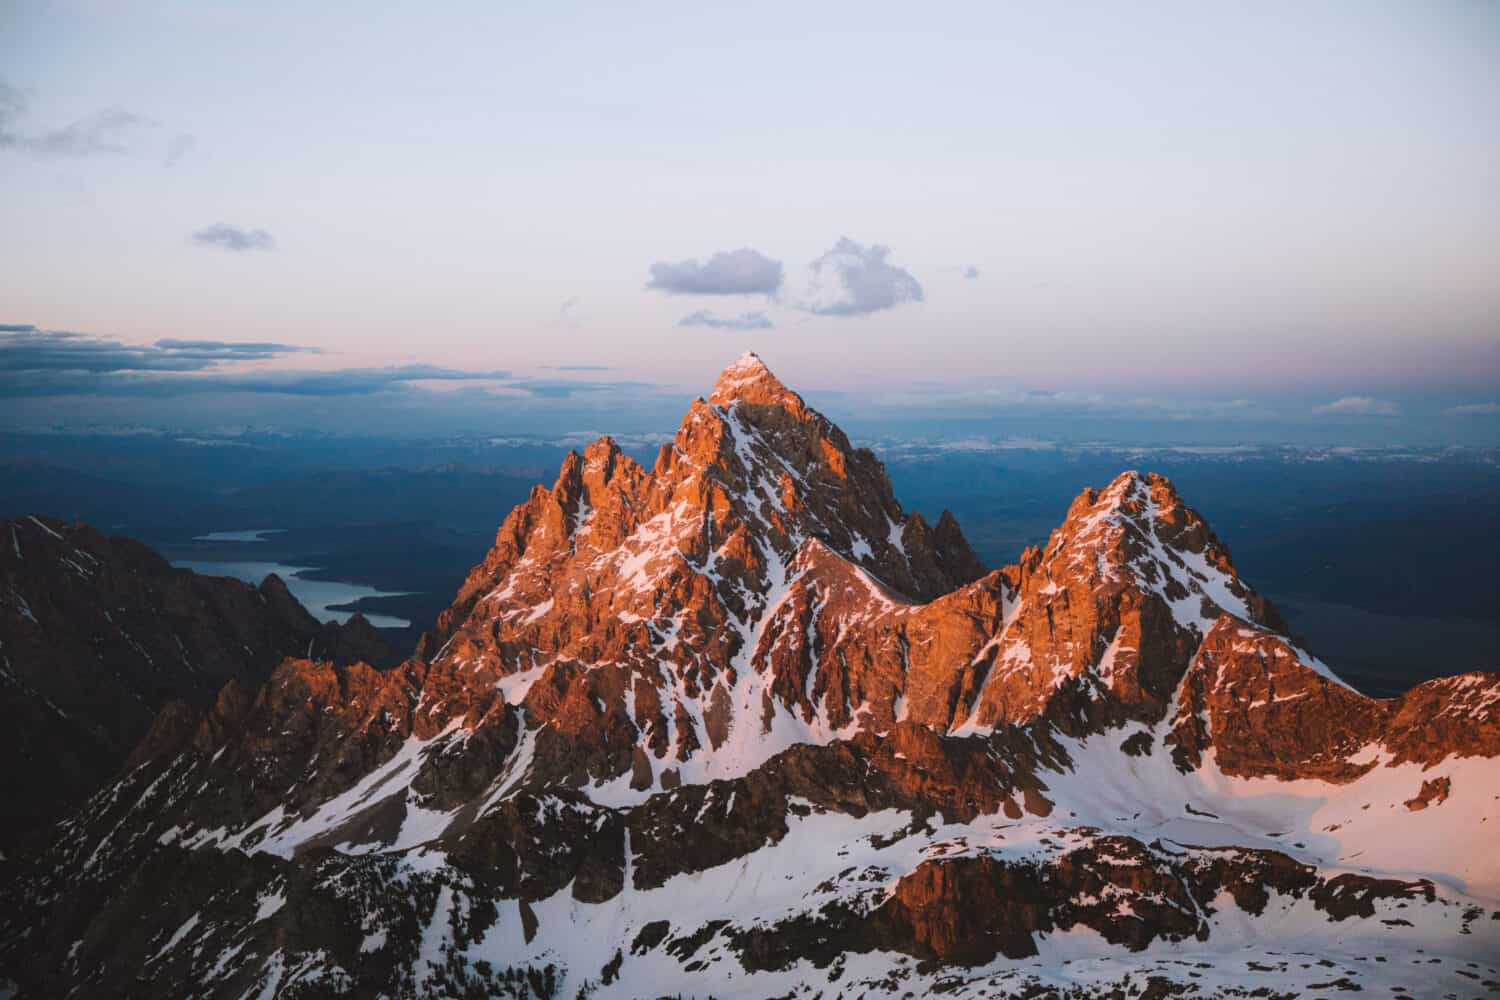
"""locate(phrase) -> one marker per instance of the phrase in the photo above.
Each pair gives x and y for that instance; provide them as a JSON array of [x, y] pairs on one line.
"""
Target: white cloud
[[745, 321], [1358, 406], [227, 237], [855, 280], [735, 272], [110, 130], [1473, 410]]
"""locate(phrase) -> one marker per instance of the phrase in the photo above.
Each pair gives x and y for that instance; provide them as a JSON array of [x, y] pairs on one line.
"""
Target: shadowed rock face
[[97, 634], [741, 714]]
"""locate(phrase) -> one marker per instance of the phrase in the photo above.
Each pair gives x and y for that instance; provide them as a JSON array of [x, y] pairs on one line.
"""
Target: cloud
[[1473, 410], [849, 280], [1013, 399], [42, 363], [340, 382], [26, 350], [568, 388], [228, 237], [110, 131], [856, 280], [1358, 406], [744, 321], [154, 384], [219, 350], [734, 272], [107, 131]]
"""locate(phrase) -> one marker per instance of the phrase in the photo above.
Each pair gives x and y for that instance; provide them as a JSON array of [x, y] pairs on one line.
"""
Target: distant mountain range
[[738, 724]]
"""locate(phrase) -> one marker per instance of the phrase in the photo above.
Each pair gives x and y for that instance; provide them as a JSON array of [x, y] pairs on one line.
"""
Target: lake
[[238, 536], [317, 596]]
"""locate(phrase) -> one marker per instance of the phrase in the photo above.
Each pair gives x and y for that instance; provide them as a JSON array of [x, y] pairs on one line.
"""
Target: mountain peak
[[748, 380], [749, 361]]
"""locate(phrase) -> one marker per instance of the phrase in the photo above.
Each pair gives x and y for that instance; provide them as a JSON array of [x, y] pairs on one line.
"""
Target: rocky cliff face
[[97, 634], [740, 725]]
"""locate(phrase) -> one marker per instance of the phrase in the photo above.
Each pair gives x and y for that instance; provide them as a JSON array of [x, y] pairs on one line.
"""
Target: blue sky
[[1224, 218]]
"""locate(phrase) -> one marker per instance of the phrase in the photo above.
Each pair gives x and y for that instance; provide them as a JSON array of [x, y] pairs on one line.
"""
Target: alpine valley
[[739, 726]]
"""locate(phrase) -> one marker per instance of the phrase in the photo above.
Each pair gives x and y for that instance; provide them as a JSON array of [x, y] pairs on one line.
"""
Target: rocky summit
[[738, 725]]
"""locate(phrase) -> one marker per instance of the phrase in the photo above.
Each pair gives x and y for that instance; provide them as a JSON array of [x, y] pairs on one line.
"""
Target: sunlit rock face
[[739, 725]]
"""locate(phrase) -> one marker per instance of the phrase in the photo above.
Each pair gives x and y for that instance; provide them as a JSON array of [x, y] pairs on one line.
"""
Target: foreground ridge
[[740, 725], [97, 634]]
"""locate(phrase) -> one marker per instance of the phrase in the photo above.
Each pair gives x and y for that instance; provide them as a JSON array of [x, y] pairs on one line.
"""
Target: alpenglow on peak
[[748, 379]]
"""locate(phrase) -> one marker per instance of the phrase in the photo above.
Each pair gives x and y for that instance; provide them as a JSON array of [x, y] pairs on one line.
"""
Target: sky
[[1260, 221]]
